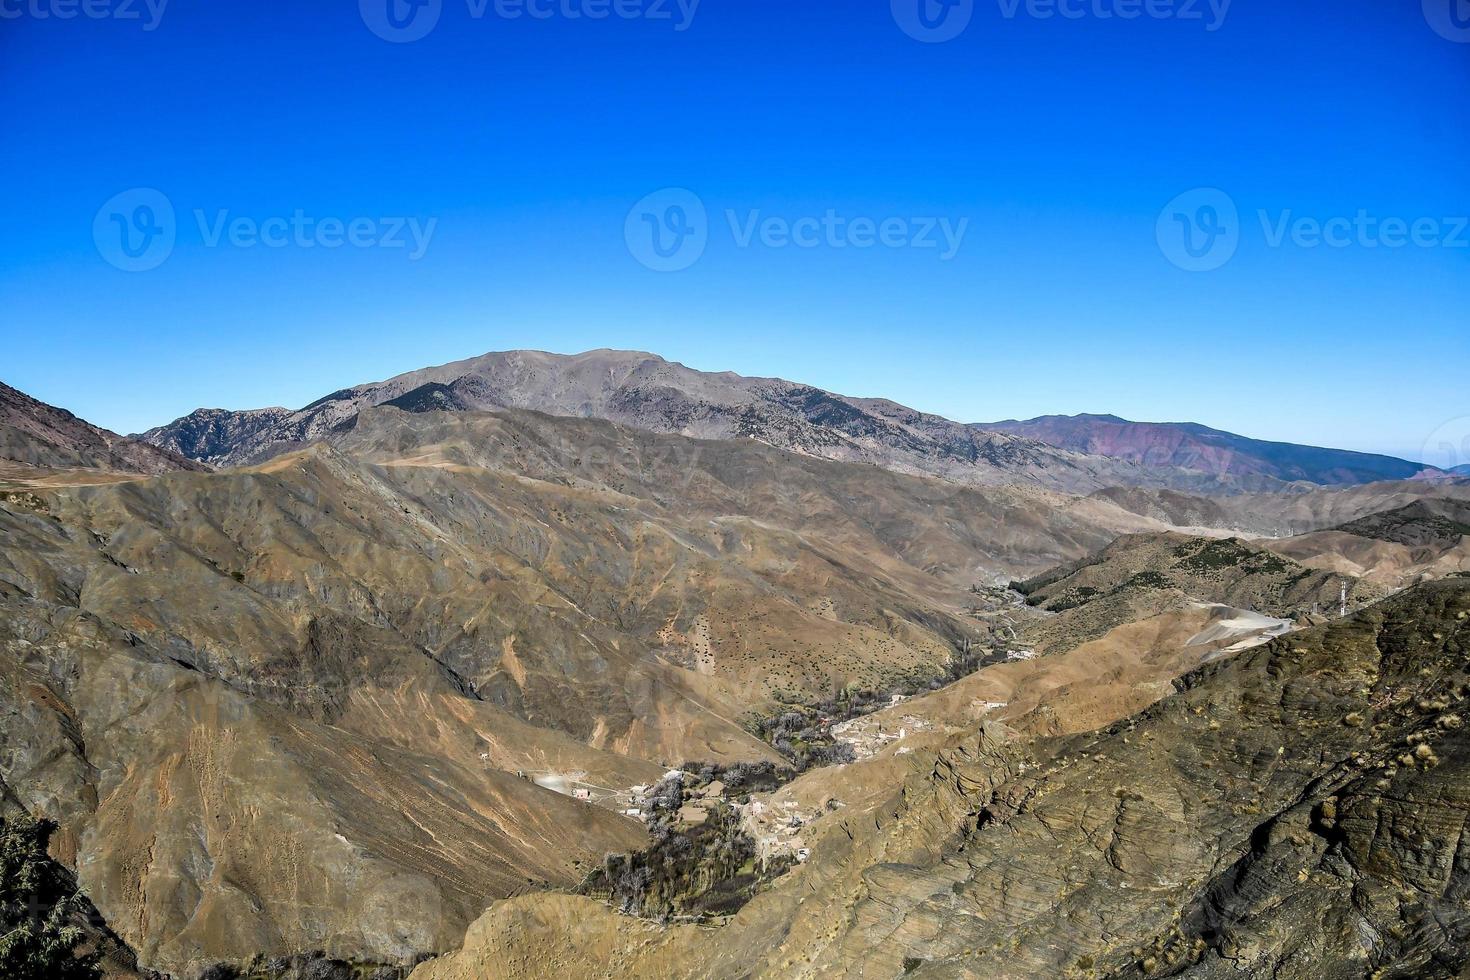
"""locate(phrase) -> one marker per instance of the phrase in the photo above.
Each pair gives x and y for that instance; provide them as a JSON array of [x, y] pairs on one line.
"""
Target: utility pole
[[1343, 601]]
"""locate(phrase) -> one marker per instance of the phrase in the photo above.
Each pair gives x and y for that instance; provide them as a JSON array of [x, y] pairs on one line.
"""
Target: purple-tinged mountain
[[1198, 448]]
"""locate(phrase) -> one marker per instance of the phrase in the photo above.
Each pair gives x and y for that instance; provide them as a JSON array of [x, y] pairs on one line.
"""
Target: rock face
[[1294, 811], [35, 434], [1199, 448], [646, 392], [221, 796]]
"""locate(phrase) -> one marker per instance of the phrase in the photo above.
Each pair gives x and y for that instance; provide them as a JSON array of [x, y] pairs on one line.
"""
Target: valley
[[532, 665]]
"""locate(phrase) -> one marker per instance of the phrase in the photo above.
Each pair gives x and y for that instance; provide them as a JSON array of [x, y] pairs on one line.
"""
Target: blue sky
[[519, 147]]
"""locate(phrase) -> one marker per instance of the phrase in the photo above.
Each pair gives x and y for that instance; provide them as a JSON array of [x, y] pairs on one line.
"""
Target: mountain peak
[[645, 391]]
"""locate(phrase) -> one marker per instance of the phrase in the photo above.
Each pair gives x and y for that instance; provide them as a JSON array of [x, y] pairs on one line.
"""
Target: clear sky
[[1048, 146]]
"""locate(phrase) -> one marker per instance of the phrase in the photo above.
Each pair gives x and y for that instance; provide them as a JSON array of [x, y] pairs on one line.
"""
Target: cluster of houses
[[867, 736], [776, 829], [634, 801], [638, 798]]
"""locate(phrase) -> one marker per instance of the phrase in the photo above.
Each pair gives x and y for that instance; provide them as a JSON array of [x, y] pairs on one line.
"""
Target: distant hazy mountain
[[1200, 448], [647, 392], [36, 434]]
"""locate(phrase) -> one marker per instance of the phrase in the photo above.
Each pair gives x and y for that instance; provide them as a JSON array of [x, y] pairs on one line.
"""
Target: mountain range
[[598, 665], [644, 391]]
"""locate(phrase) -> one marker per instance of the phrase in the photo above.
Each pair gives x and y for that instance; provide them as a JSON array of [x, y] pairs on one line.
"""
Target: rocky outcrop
[[212, 435]]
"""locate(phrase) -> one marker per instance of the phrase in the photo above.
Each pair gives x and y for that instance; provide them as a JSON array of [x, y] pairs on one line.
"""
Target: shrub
[[327, 970]]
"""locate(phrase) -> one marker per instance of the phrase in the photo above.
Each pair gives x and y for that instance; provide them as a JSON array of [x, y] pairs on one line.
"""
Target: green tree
[[38, 909]]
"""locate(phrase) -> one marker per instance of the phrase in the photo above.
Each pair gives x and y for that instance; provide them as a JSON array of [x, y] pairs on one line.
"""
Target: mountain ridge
[[645, 391], [382, 658]]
